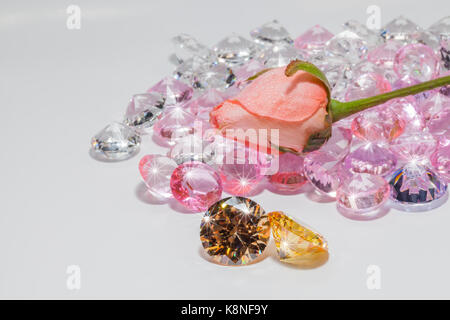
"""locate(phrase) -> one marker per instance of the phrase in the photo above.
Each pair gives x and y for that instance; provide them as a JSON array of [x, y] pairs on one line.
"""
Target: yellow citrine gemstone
[[297, 244]]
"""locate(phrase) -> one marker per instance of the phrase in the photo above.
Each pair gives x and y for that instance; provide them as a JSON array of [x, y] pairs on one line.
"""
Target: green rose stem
[[340, 110]]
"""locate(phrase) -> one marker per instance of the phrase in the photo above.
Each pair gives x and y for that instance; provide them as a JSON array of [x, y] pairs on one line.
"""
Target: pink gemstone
[[371, 158], [416, 63], [156, 171], [290, 177], [241, 171], [196, 186], [313, 39], [339, 143], [406, 108], [439, 124], [440, 159], [378, 125], [384, 55], [175, 123], [435, 104], [415, 148], [360, 196], [323, 170], [174, 91], [366, 85], [206, 102]]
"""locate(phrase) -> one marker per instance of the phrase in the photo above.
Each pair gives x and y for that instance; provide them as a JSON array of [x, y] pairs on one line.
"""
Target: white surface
[[60, 207]]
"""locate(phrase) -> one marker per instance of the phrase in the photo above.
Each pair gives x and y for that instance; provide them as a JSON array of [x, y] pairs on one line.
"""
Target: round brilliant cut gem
[[360, 195], [313, 39], [144, 109], [271, 33], [172, 90], [156, 171], [371, 158], [415, 147], [235, 231], [196, 185], [290, 177], [297, 244], [234, 50]]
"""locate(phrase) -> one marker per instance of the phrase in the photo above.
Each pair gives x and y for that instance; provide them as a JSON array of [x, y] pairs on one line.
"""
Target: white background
[[59, 207]]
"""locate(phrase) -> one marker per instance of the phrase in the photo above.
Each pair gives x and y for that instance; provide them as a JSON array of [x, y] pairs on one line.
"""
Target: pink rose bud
[[296, 106]]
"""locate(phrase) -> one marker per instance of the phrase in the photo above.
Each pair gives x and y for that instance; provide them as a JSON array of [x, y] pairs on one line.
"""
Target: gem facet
[[196, 185], [400, 29], [361, 195], [348, 45], [144, 109], [235, 231], [290, 177], [313, 39], [271, 33], [415, 147], [116, 142], [416, 63], [234, 50], [322, 170], [367, 85], [191, 148], [297, 244], [371, 158], [156, 171]]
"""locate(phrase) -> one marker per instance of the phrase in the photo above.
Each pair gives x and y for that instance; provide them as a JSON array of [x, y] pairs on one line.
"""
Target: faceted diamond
[[279, 56], [400, 29], [271, 33], [415, 147], [174, 124], [116, 142], [156, 171], [372, 38], [235, 231], [441, 28], [234, 50], [313, 39], [416, 63], [196, 185], [441, 161], [378, 124], [173, 91], [187, 46], [384, 55], [290, 177], [435, 104], [406, 109], [190, 148], [414, 184], [371, 158], [241, 172], [439, 123], [366, 85], [144, 109], [297, 244], [206, 102], [360, 196], [322, 170], [348, 45]]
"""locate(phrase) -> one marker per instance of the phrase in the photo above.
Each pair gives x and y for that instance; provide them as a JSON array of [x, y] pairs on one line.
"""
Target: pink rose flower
[[296, 106]]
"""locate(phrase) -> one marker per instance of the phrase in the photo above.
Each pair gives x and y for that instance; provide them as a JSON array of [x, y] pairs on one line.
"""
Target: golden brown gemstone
[[297, 244], [235, 231]]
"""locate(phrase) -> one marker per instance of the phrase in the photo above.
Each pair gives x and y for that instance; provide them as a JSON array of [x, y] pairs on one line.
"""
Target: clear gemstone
[[366, 85], [279, 56], [427, 38], [378, 125], [413, 185], [173, 91], [186, 46], [196, 185], [313, 39], [371, 158], [116, 142], [348, 45], [156, 171], [290, 177], [416, 63], [441, 28], [441, 161], [143, 110], [271, 33], [323, 171], [235, 231], [234, 50], [415, 147], [176, 122], [361, 195], [191, 148], [401, 29], [372, 38]]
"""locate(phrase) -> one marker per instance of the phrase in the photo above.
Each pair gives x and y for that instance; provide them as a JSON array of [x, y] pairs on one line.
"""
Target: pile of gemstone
[[396, 154]]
